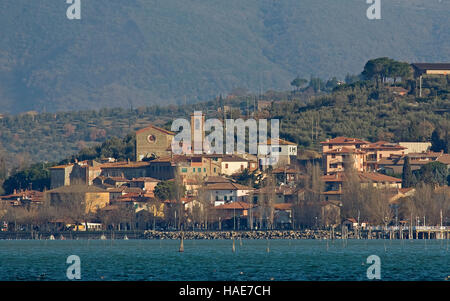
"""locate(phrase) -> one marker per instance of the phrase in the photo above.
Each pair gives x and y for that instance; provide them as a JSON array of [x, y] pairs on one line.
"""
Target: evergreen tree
[[407, 176]]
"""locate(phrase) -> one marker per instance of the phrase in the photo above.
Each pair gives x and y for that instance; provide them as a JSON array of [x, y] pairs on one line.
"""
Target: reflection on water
[[215, 260]]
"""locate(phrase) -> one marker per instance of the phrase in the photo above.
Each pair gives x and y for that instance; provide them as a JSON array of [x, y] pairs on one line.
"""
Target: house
[[222, 193], [421, 69], [287, 174], [339, 151], [91, 198], [145, 183], [118, 192], [336, 160], [233, 214], [186, 166], [394, 164], [232, 164], [125, 169], [363, 155], [334, 183], [23, 198], [282, 194], [379, 150], [78, 173], [283, 149]]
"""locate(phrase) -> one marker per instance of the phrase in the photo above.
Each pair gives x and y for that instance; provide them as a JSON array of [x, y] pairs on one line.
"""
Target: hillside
[[358, 110], [141, 52]]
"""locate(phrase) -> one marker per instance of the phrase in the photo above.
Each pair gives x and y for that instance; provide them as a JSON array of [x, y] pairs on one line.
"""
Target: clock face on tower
[[151, 138]]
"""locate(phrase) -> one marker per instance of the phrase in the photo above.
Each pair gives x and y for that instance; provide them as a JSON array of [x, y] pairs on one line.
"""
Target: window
[[184, 170], [204, 169], [226, 165], [193, 169], [225, 198], [199, 169], [231, 198]]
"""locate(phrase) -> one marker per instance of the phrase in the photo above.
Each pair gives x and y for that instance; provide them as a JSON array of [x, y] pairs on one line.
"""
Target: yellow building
[[88, 198]]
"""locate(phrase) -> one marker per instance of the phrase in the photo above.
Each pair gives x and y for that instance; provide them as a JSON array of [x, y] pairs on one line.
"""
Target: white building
[[222, 193], [234, 164], [283, 148]]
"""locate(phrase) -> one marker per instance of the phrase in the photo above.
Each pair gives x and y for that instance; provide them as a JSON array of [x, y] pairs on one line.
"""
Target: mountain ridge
[[138, 53]]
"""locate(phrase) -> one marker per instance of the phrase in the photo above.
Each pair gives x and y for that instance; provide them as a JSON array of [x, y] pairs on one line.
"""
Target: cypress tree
[[407, 175]]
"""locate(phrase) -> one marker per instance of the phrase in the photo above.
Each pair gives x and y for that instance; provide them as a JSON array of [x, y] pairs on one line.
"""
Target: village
[[350, 185]]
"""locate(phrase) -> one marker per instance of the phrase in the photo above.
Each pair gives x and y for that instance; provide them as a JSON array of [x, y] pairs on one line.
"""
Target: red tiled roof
[[384, 145], [344, 150], [234, 205], [227, 186], [278, 141], [125, 164], [363, 176], [283, 206], [344, 140]]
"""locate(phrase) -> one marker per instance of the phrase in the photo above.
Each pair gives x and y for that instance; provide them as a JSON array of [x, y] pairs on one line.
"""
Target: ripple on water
[[214, 260]]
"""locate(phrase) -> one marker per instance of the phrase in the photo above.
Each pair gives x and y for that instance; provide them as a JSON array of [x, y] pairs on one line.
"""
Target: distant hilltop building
[[431, 69]]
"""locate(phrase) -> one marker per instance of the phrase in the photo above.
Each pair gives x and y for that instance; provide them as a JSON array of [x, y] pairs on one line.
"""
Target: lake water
[[260, 260]]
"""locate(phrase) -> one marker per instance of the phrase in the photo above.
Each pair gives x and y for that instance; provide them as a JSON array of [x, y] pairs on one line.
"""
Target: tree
[[434, 173], [407, 175], [299, 82]]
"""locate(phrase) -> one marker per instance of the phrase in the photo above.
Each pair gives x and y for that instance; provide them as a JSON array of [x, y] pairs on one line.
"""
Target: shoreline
[[201, 235]]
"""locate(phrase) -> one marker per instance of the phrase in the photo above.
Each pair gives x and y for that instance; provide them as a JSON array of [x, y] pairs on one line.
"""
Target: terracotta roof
[[344, 150], [286, 169], [384, 145], [156, 128], [233, 158], [228, 186], [278, 141], [378, 177], [444, 158], [125, 164], [363, 176], [283, 206], [144, 179], [216, 179], [234, 205], [344, 140]]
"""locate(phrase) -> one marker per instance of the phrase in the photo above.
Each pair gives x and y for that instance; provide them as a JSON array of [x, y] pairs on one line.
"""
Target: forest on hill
[[363, 107], [138, 53]]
